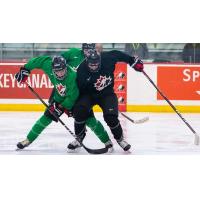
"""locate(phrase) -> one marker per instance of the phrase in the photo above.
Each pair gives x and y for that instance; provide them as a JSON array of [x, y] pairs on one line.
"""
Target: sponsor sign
[[11, 89], [179, 83]]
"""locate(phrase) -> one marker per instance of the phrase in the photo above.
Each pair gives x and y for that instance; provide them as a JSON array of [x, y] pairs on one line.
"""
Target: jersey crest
[[102, 82], [61, 89]]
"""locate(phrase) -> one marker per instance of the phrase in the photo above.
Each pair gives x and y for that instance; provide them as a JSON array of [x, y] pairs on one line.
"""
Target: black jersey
[[101, 82]]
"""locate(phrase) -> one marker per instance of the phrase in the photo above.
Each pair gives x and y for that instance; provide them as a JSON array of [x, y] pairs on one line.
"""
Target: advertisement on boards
[[179, 82]]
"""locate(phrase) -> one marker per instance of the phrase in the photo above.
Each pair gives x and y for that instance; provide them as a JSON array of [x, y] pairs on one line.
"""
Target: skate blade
[[18, 149], [128, 152], [140, 121], [77, 150], [110, 150]]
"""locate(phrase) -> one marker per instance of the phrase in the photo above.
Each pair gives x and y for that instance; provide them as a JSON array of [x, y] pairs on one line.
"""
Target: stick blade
[[140, 121], [196, 139], [97, 151]]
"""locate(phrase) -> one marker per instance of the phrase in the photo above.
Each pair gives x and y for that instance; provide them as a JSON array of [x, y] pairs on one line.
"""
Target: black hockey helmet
[[93, 61], [86, 47], [59, 67]]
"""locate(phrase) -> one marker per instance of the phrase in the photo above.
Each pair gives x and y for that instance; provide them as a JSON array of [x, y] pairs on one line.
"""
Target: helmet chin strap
[[93, 70]]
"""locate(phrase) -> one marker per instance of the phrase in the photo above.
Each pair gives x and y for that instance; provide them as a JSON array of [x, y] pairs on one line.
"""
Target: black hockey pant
[[108, 104]]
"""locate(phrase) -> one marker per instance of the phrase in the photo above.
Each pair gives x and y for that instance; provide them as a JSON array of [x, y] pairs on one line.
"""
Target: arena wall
[[180, 83]]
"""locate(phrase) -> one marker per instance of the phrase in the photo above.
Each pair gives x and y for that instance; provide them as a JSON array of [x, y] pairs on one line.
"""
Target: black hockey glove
[[138, 65], [22, 75], [54, 111]]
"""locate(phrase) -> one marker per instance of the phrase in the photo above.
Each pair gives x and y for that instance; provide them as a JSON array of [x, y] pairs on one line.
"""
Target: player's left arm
[[134, 62], [68, 55]]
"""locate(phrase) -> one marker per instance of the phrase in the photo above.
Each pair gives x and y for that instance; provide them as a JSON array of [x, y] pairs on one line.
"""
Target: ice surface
[[162, 134]]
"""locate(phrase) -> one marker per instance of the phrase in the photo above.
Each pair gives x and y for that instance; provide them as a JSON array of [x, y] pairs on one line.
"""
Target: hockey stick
[[91, 151], [196, 139], [136, 121]]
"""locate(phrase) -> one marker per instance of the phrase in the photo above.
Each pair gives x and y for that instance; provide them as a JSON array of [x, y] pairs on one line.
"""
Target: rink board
[[180, 83], [130, 108]]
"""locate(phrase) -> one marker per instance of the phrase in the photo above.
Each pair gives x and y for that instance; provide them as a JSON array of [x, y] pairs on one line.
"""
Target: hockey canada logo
[[102, 82], [61, 89]]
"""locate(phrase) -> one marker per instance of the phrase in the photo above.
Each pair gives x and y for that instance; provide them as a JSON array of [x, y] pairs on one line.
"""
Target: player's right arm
[[81, 78], [41, 62], [134, 62], [37, 63]]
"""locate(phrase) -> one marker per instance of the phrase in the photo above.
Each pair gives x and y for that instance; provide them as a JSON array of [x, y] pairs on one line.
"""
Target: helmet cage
[[59, 67]]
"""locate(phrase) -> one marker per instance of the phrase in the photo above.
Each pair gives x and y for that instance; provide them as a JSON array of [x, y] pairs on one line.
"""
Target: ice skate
[[123, 144], [73, 147], [109, 145], [23, 144]]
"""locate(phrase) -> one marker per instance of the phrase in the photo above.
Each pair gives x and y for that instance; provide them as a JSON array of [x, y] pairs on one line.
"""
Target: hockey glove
[[22, 75], [138, 65], [68, 112], [54, 111]]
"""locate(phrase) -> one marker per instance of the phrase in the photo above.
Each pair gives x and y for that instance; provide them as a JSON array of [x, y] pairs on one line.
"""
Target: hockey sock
[[117, 131], [115, 126], [98, 129], [38, 127]]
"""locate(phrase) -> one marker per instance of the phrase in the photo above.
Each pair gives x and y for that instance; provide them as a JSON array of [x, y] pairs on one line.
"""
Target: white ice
[[162, 134]]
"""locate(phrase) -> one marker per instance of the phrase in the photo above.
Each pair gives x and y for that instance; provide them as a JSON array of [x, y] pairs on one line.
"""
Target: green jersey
[[66, 90], [74, 57]]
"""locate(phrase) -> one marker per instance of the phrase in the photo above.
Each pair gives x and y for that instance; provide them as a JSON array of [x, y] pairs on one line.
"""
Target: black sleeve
[[80, 79], [122, 57]]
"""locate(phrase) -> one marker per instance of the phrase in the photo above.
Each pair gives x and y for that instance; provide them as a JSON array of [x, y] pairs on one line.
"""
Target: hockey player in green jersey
[[64, 95]]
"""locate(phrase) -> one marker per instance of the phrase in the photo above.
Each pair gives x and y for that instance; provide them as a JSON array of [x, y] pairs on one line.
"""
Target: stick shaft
[[36, 94], [168, 101], [127, 117], [92, 151]]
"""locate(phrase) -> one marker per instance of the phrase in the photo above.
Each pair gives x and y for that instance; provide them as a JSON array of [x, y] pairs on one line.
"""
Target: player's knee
[[80, 113], [111, 120]]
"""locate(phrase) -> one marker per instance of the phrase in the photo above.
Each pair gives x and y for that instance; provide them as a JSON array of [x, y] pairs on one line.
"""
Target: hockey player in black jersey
[[95, 78]]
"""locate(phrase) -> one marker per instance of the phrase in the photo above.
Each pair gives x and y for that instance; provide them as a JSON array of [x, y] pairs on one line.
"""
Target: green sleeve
[[38, 62], [72, 94], [68, 55]]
